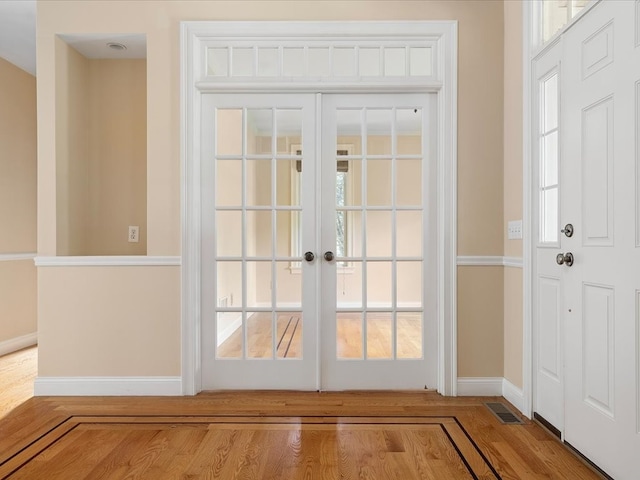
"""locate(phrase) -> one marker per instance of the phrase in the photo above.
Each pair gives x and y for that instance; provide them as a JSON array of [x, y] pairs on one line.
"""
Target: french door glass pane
[[379, 233], [379, 182], [379, 284], [409, 327], [349, 335], [409, 182], [408, 233], [259, 336], [378, 131], [229, 131], [259, 131], [229, 238], [289, 335], [379, 335]]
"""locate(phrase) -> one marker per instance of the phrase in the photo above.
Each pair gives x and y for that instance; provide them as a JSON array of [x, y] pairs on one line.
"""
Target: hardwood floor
[[273, 435]]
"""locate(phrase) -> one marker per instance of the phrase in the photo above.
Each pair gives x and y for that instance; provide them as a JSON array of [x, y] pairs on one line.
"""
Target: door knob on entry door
[[309, 256], [328, 256], [565, 258]]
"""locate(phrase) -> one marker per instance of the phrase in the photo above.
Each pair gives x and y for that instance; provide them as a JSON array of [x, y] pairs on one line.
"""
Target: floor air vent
[[503, 413]]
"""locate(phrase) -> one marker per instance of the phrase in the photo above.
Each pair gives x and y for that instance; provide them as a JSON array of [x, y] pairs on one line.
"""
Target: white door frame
[[440, 77]]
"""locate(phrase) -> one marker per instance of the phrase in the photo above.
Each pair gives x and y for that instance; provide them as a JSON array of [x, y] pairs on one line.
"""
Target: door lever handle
[[565, 258]]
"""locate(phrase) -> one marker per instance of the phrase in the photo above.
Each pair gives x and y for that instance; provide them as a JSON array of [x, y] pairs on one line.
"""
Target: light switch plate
[[514, 229]]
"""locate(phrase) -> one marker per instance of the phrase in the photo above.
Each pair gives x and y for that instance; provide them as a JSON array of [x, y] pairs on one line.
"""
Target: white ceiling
[[18, 38], [18, 33]]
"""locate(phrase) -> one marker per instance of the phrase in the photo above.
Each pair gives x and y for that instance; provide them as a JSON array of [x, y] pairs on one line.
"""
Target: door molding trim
[[195, 79]]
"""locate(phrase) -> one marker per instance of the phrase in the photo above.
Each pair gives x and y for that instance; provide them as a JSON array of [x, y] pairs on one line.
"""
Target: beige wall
[[117, 155], [480, 147], [17, 201], [108, 321], [513, 312], [101, 144]]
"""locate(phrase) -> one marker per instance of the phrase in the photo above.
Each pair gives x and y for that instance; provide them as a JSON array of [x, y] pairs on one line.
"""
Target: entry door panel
[[259, 298], [602, 71], [378, 306]]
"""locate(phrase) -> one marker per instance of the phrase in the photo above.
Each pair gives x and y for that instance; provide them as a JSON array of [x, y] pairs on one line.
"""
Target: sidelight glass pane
[[409, 335], [289, 335], [379, 282], [259, 131], [349, 335], [379, 131], [259, 335], [550, 103], [228, 183], [379, 335], [549, 215], [229, 131], [229, 339], [549, 161], [409, 182], [379, 233], [259, 233], [229, 238]]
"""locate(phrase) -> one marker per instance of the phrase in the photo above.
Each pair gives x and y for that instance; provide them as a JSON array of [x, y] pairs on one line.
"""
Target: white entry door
[[600, 159], [317, 272]]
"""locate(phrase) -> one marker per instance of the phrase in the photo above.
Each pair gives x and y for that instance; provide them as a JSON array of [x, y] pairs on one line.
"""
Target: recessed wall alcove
[[101, 144]]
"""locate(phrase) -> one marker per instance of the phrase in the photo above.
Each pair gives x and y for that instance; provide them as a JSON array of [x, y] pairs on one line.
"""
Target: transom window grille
[[273, 62]]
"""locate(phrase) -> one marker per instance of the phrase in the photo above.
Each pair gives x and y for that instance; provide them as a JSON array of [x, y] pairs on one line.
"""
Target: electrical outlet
[[514, 229], [134, 234]]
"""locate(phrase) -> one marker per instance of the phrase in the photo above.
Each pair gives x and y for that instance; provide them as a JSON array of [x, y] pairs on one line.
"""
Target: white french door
[[378, 293], [315, 265]]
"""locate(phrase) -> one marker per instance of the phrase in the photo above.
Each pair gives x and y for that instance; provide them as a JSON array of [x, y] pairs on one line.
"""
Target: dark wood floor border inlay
[[51, 437]]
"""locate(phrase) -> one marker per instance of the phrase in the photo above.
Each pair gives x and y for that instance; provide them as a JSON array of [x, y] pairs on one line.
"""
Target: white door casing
[[208, 66]]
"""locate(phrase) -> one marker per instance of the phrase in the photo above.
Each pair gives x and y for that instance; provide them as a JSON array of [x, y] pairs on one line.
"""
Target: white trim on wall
[[107, 386], [109, 261], [480, 386], [489, 261], [18, 343], [12, 257], [514, 395]]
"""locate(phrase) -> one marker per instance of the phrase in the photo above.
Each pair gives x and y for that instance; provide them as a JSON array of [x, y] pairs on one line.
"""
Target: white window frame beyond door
[[205, 72]]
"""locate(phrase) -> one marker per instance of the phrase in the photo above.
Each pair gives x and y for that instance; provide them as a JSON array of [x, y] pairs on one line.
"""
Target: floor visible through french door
[[317, 243]]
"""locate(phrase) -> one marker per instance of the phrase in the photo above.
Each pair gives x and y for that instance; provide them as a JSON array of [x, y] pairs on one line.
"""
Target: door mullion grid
[[394, 230], [244, 232], [363, 189], [274, 273]]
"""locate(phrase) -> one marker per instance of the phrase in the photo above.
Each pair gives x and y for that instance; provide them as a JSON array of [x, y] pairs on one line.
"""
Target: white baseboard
[[107, 386], [514, 395], [480, 386], [18, 343]]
